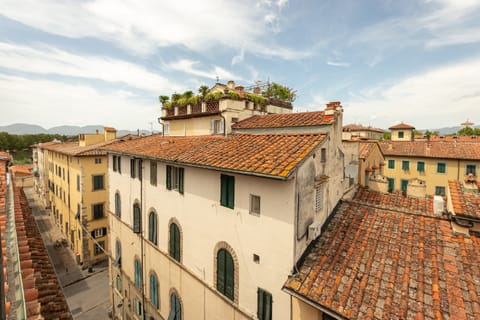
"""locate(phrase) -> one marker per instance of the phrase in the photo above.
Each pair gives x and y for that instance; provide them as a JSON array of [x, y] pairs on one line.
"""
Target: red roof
[[365, 148], [425, 149], [274, 155], [301, 119], [401, 126], [464, 202], [377, 263]]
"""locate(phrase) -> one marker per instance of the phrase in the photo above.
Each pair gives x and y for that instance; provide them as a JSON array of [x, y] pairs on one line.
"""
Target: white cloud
[[51, 103], [338, 64], [48, 60], [188, 66], [143, 26], [445, 96], [240, 57]]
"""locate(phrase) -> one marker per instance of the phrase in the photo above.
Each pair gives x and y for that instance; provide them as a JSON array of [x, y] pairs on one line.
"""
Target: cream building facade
[[210, 227], [72, 180]]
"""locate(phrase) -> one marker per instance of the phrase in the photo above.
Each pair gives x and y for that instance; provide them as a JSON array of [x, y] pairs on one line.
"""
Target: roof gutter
[[313, 304]]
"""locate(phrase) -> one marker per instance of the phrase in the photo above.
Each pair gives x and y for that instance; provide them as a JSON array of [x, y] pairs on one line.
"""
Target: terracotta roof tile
[[357, 127], [25, 169], [74, 148], [464, 202], [365, 148], [401, 126], [273, 155], [300, 119], [373, 263], [443, 150]]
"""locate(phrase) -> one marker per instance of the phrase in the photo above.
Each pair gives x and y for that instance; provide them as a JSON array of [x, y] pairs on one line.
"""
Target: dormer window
[[400, 134]]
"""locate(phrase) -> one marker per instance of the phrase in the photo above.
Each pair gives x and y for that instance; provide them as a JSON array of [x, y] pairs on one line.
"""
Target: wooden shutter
[[180, 180], [221, 271], [231, 192], [229, 276], [223, 190], [177, 243], [140, 168], [136, 219], [169, 178], [260, 304], [119, 158]]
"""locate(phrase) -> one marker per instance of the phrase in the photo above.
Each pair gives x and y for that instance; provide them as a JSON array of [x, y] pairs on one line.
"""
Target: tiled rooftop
[[466, 203], [365, 148], [373, 263], [74, 149], [401, 126], [23, 169], [424, 149], [395, 201], [266, 154], [301, 119], [357, 127]]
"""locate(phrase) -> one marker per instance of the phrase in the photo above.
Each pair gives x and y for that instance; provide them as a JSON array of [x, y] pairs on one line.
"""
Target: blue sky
[[107, 61]]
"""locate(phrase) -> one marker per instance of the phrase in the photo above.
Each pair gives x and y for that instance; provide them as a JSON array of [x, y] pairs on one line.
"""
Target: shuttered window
[[175, 177], [225, 274], [175, 308], [98, 182], [98, 211], [118, 253], [174, 247], [137, 219], [154, 290], [421, 166], [152, 227], [405, 165], [227, 191], [153, 173], [138, 273], [441, 167], [132, 168], [118, 205], [391, 164], [264, 305]]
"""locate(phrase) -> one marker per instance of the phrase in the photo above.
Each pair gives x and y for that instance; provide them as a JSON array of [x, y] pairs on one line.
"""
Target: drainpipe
[[224, 124], [159, 119]]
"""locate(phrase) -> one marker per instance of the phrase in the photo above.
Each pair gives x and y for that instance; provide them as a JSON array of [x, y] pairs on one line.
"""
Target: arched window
[[138, 273], [175, 308], [152, 227], [118, 253], [118, 208], [137, 219], [225, 274], [154, 290], [174, 247]]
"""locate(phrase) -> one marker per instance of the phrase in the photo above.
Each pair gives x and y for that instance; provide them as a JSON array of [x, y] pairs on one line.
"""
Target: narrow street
[[87, 293]]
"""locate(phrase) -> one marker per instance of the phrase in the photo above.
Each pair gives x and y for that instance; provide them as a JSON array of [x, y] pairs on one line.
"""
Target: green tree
[[163, 99], [203, 90], [277, 91], [467, 131]]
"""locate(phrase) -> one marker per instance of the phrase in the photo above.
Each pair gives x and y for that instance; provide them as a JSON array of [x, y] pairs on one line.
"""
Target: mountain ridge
[[67, 130]]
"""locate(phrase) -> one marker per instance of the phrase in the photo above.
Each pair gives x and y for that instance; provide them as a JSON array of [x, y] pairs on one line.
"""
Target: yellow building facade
[[77, 183]]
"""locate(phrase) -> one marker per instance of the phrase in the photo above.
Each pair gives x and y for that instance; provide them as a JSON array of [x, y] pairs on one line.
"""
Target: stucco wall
[[303, 311], [204, 223], [407, 135]]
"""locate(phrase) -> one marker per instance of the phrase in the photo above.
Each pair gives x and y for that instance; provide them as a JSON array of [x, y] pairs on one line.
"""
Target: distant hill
[[447, 130], [25, 128]]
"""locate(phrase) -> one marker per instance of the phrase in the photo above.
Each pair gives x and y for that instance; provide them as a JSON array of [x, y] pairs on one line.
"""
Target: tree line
[[18, 142]]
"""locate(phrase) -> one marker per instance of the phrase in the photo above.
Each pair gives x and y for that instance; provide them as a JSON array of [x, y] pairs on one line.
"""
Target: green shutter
[[223, 191], [180, 180], [268, 306], [169, 177], [229, 276], [177, 243], [421, 166], [221, 271], [172, 241], [260, 304], [231, 192]]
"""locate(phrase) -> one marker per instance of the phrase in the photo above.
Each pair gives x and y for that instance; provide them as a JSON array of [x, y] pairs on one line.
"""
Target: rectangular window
[[78, 182], [439, 191], [153, 173], [254, 204], [175, 177], [98, 211], [137, 219], [119, 164], [216, 127], [264, 305], [99, 247], [138, 307], [391, 184], [405, 165], [400, 134], [114, 163], [98, 160], [132, 168], [97, 183], [166, 128], [471, 169], [227, 191], [391, 164], [98, 233], [323, 155], [441, 167], [140, 168], [421, 166]]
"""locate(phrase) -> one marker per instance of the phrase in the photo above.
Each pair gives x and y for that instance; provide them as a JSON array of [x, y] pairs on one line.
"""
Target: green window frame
[[137, 218], [441, 167], [174, 178], [174, 245], [138, 273], [153, 228], [401, 134], [471, 168], [404, 185], [391, 184], [97, 182], [154, 290], [405, 165], [225, 274], [118, 205], [420, 166], [439, 190], [391, 164], [264, 304], [175, 308], [227, 191]]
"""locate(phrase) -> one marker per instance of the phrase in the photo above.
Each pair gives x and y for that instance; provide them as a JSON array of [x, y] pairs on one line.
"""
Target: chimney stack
[[231, 84]]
